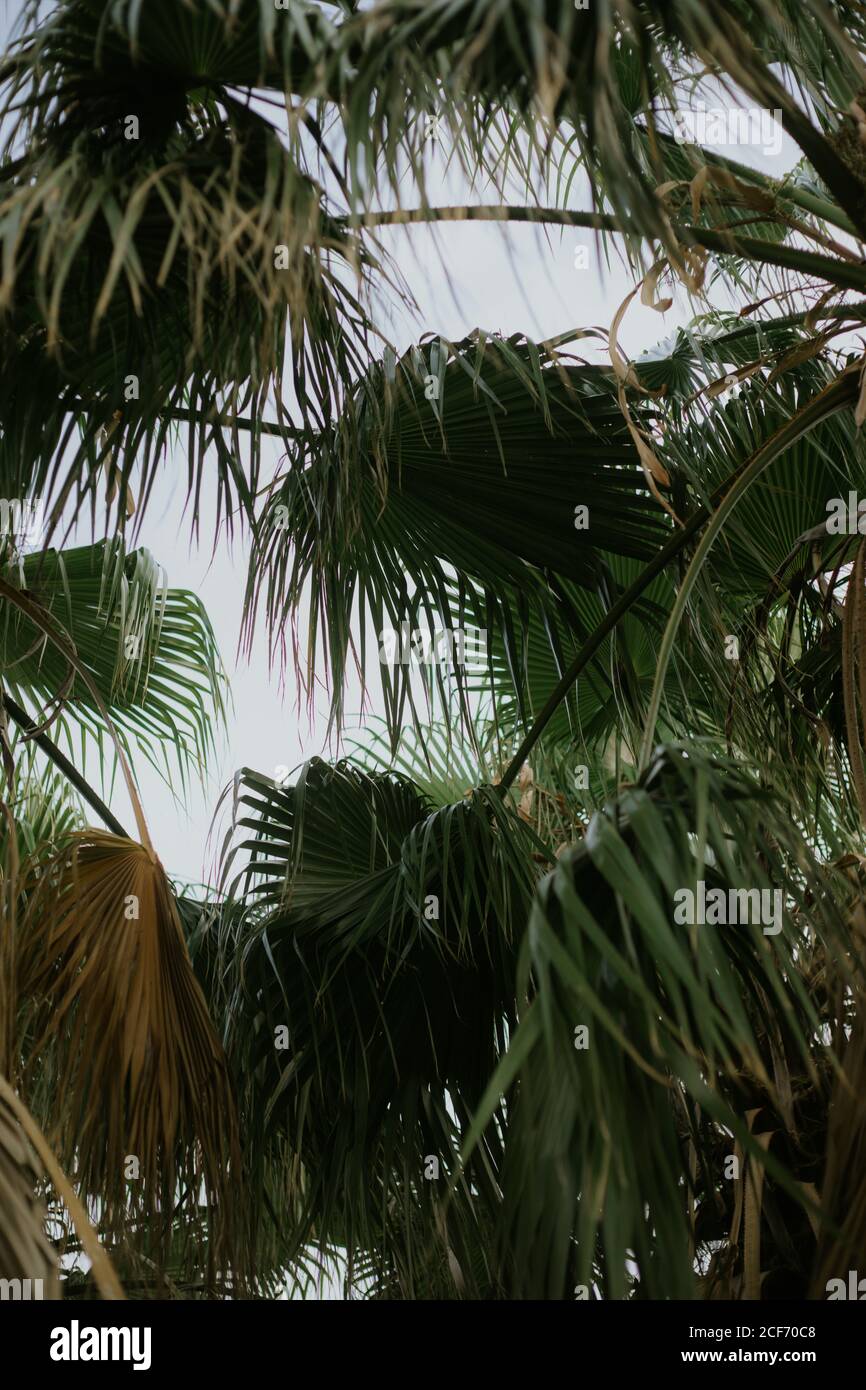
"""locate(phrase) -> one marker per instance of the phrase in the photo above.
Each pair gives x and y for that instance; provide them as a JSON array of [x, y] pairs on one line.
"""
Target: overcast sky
[[465, 275], [511, 282]]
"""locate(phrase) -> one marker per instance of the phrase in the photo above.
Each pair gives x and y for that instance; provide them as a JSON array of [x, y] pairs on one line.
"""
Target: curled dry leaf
[[696, 188], [655, 472], [648, 290]]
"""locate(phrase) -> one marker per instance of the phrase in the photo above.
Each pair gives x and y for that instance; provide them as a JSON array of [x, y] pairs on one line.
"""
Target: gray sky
[[507, 285], [464, 275]]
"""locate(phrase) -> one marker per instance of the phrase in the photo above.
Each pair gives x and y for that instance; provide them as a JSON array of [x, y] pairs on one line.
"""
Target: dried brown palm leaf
[[842, 1245], [25, 1251], [148, 1121]]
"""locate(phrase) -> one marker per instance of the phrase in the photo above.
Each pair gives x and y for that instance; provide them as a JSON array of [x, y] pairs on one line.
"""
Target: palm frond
[[116, 1021], [678, 1019], [149, 649], [476, 458], [173, 268], [592, 71], [25, 1251], [379, 940]]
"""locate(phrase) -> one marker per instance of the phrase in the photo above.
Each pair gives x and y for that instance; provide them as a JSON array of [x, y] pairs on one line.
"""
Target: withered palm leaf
[[117, 1017], [25, 1251]]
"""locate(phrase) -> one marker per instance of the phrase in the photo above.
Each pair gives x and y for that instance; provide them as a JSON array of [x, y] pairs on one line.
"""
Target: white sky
[[507, 281], [502, 282]]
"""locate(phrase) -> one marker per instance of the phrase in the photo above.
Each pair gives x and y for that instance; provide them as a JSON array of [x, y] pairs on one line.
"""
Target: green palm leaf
[[476, 459], [677, 1017], [381, 936], [150, 650]]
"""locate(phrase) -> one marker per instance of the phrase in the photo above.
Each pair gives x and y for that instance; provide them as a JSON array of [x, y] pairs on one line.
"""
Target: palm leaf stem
[[60, 761], [718, 240]]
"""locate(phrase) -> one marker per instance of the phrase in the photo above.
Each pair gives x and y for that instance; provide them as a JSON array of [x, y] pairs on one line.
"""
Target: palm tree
[[442, 1017]]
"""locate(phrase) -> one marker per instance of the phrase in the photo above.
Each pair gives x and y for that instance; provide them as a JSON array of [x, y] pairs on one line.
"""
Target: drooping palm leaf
[[167, 270], [119, 1024], [596, 69], [678, 1017], [25, 1251], [150, 650], [476, 458]]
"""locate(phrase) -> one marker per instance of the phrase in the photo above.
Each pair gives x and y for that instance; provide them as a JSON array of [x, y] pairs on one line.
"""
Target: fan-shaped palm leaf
[[477, 458], [149, 649], [381, 945]]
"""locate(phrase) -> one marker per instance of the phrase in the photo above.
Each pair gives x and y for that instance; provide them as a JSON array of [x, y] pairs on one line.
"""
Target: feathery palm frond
[[164, 259], [595, 68]]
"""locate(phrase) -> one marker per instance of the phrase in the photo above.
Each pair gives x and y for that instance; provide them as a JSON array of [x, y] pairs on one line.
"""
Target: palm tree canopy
[[448, 985]]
